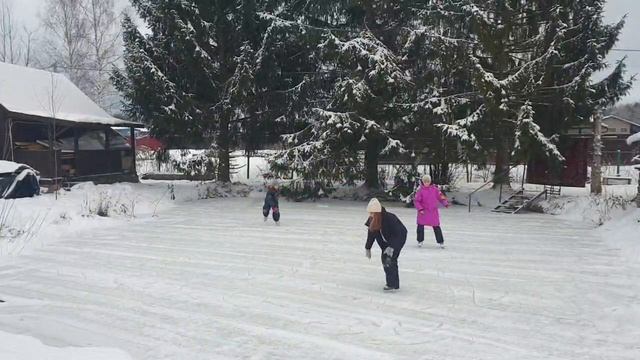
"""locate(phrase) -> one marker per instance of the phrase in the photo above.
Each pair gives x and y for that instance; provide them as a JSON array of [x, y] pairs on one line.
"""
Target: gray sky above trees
[[27, 13]]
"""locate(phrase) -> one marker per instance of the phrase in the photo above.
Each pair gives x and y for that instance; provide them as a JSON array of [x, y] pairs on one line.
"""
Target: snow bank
[[624, 233], [21, 347], [592, 210], [30, 222]]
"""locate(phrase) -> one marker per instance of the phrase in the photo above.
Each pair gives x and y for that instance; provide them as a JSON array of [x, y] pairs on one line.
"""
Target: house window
[[624, 130], [612, 130]]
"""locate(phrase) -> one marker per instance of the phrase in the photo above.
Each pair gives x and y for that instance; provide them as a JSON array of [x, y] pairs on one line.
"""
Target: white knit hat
[[426, 179], [374, 206]]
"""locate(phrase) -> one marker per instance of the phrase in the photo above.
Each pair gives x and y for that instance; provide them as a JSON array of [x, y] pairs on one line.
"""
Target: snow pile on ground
[[35, 221], [624, 233], [594, 210], [21, 347]]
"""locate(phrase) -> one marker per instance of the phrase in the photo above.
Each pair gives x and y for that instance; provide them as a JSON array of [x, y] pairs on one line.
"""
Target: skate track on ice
[[212, 281]]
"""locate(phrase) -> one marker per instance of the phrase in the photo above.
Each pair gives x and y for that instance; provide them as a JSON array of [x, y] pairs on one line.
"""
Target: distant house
[[615, 132], [48, 123], [144, 141]]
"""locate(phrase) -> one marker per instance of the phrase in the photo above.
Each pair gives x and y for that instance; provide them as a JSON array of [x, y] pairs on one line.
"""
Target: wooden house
[[49, 124], [615, 132]]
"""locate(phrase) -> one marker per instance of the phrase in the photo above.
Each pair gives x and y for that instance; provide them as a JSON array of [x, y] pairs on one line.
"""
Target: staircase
[[518, 201]]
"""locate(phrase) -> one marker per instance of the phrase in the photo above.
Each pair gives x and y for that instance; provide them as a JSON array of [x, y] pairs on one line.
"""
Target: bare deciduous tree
[[27, 41], [105, 44], [83, 40], [16, 43], [66, 39]]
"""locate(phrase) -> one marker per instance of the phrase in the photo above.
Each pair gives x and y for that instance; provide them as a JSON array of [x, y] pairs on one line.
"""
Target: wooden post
[[10, 132], [596, 167], [248, 166], [76, 150], [107, 139], [132, 142], [76, 141], [52, 151], [107, 150]]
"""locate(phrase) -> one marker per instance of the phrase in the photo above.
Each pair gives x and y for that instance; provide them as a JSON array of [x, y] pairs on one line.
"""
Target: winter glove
[[368, 253], [389, 251]]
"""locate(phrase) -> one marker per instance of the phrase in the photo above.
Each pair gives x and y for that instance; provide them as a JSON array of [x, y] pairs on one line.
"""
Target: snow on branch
[[460, 129], [528, 134], [366, 49], [633, 139]]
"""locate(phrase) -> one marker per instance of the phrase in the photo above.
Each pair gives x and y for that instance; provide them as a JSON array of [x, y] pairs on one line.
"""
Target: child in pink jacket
[[427, 200]]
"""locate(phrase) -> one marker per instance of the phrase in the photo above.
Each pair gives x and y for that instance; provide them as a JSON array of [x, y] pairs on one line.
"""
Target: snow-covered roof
[[616, 117], [41, 93], [633, 138]]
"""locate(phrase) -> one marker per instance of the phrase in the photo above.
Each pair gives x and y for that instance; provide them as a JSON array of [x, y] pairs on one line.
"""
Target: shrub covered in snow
[[300, 190], [212, 190], [596, 210], [198, 165]]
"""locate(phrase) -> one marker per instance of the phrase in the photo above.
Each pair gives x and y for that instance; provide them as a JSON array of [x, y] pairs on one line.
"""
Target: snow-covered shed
[[50, 124]]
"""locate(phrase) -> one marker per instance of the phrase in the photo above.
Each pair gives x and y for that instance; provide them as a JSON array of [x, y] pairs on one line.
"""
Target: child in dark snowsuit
[[271, 204]]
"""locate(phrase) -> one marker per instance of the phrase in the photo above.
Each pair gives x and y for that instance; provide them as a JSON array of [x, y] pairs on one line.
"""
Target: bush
[[405, 184], [105, 205], [299, 190], [197, 166]]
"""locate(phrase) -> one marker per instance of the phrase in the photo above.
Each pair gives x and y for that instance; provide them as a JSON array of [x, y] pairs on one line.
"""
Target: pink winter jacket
[[426, 201]]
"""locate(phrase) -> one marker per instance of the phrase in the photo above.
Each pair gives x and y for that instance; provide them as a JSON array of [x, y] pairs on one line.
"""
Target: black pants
[[275, 212], [437, 231], [390, 266]]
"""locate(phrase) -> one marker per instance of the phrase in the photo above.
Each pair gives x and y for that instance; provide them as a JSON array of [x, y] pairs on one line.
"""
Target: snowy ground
[[209, 280]]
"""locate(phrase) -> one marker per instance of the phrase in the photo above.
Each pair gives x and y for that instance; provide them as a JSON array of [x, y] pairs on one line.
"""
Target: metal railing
[[505, 173]]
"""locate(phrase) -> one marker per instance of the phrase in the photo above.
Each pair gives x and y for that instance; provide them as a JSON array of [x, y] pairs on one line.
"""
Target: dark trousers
[[275, 212], [436, 230], [390, 266]]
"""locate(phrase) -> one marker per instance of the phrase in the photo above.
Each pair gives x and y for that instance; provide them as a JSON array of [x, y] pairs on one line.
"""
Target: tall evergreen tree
[[540, 52], [356, 56], [192, 77]]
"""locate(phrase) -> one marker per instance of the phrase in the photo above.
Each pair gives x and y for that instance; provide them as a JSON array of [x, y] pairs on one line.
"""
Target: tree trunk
[[371, 157], [596, 168], [440, 173], [500, 174], [224, 160]]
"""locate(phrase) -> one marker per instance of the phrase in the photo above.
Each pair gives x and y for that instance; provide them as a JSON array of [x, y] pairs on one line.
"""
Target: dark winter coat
[[393, 232], [271, 199]]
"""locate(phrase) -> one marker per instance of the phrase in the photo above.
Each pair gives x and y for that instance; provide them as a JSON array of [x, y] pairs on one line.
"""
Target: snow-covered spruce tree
[[192, 77], [435, 53], [536, 51], [356, 113]]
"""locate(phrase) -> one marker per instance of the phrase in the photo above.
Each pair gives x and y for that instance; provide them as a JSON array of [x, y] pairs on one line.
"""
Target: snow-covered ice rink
[[211, 280]]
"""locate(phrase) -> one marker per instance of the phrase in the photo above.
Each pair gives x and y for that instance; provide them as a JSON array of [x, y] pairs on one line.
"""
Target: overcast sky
[[27, 12]]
